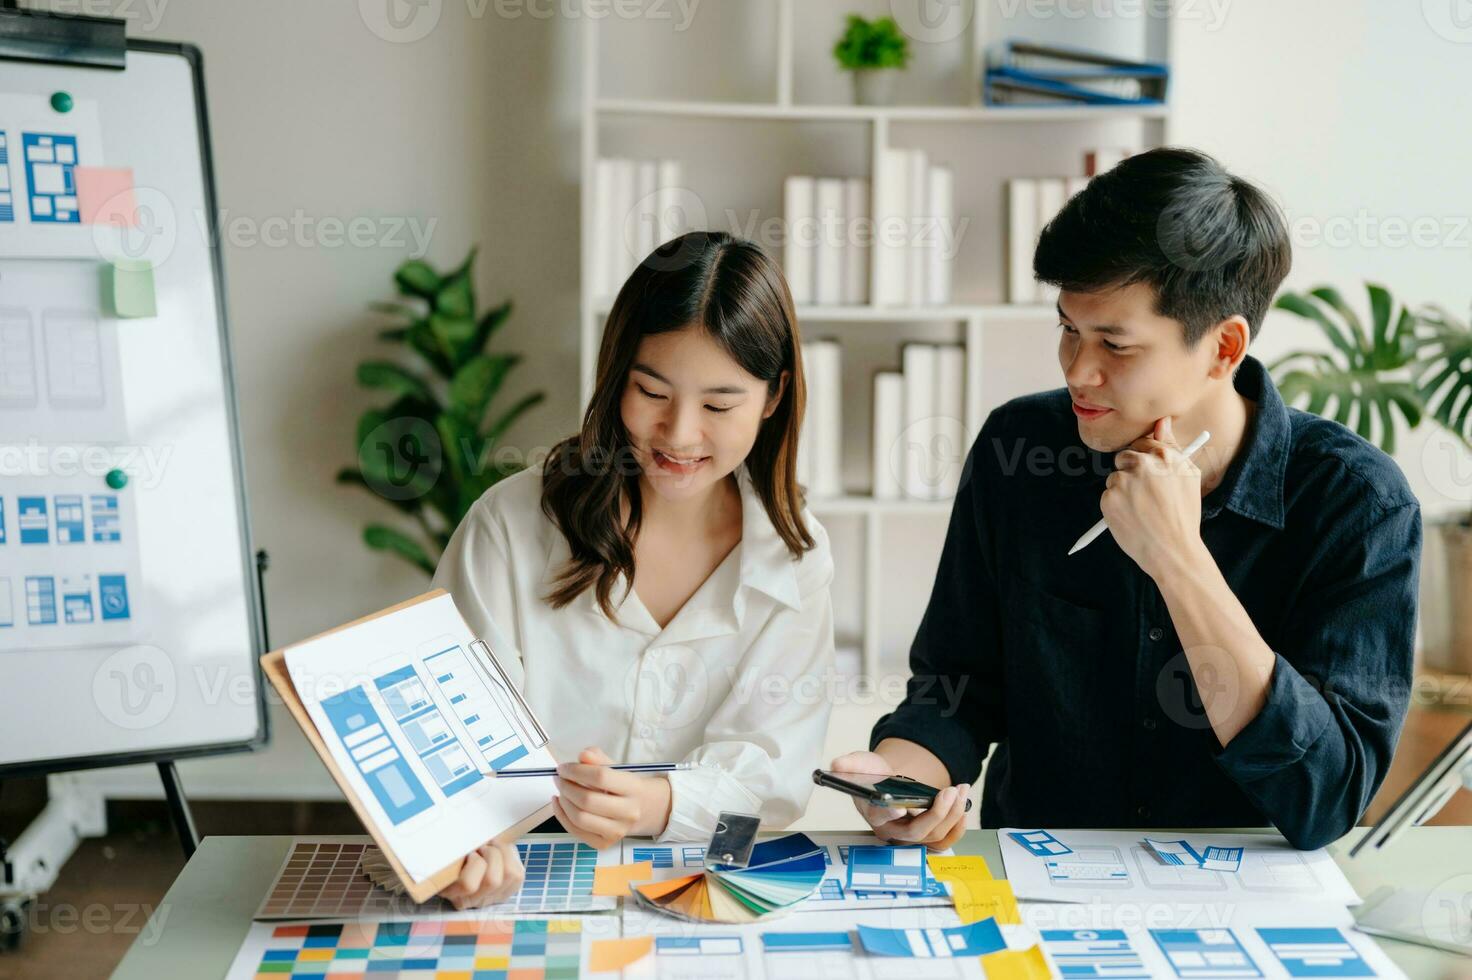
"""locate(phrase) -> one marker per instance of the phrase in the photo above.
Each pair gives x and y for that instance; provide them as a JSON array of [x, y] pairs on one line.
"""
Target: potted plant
[[432, 451], [1411, 365], [872, 49]]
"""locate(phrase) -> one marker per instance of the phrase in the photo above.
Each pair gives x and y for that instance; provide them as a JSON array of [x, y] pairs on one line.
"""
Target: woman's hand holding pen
[[601, 806]]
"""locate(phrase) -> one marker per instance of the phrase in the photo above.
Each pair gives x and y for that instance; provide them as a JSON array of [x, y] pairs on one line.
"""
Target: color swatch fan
[[781, 873]]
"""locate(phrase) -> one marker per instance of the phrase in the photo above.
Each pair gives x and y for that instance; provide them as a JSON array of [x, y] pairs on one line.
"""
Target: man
[[1236, 649]]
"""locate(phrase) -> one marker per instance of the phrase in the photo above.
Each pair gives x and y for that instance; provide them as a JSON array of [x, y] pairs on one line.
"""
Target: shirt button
[[1148, 724], [1156, 633], [1142, 811], [645, 731]]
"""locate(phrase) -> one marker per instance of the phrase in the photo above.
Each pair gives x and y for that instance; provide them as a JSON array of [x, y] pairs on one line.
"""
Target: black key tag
[[733, 840]]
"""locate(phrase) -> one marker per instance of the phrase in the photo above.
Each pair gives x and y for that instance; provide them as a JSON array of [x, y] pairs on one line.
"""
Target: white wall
[[1335, 105]]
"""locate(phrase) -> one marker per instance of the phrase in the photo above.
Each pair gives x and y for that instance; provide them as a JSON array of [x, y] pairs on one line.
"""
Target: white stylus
[[1103, 525]]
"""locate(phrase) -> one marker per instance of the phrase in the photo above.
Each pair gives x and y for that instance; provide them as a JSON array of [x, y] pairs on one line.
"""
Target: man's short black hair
[[1210, 244]]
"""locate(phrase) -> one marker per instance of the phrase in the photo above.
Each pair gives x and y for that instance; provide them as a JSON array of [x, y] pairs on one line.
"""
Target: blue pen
[[621, 767]]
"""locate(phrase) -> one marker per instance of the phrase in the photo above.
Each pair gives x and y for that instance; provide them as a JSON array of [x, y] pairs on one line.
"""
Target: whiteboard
[[129, 618]]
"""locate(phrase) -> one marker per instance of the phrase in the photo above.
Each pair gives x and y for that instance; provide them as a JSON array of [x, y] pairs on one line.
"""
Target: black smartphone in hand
[[900, 792]]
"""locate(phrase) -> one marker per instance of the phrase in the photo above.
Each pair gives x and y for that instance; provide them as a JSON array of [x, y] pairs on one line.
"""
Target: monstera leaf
[[1445, 375], [1350, 383]]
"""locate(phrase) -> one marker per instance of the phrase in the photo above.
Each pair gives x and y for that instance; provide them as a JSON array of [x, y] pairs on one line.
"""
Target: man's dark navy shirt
[[1070, 664]]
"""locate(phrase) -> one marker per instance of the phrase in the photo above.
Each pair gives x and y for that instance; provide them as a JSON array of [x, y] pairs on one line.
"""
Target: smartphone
[[900, 792]]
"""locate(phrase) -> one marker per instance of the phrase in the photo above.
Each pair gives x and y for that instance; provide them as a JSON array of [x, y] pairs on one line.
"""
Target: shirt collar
[[1253, 485], [763, 563], [766, 564]]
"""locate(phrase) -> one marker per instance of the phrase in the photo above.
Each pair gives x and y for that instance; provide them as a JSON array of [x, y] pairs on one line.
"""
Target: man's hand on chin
[[1152, 502]]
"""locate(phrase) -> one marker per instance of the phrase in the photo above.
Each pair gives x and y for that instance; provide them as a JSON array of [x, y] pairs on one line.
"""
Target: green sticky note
[[132, 288]]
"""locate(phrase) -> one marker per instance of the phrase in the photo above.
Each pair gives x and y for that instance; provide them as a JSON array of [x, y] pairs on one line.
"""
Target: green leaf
[[1444, 372], [477, 382], [349, 476], [1380, 308], [508, 418], [1330, 296], [453, 336], [416, 278], [427, 344], [1306, 308], [465, 266], [460, 444], [489, 324], [369, 421], [456, 298], [392, 377], [382, 538], [1358, 397]]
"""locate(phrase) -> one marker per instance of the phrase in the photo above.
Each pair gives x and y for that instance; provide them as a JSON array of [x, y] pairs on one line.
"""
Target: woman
[[656, 587]]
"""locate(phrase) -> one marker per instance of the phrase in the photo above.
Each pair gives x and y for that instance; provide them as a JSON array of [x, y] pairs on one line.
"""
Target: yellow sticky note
[[1017, 964], [976, 900], [959, 867], [607, 955], [615, 879]]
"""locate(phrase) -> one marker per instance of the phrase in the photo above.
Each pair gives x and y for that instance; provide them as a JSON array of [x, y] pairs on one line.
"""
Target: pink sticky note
[[105, 195]]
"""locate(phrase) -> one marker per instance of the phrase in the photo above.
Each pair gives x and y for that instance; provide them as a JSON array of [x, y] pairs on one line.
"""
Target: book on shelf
[[828, 264], [799, 211], [941, 209], [919, 424], [856, 252], [820, 443], [914, 229], [825, 257], [1031, 203], [889, 408], [636, 208]]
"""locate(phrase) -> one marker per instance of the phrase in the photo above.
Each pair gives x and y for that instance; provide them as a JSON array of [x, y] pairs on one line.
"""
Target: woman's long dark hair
[[737, 294]]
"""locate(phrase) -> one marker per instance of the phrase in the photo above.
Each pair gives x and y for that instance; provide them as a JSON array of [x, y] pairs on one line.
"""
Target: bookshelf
[[747, 94]]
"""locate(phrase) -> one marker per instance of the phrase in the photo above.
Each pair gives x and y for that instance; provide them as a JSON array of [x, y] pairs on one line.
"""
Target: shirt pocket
[[1055, 661]]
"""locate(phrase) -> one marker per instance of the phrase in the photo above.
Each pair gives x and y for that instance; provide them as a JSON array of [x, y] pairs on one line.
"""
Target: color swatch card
[[1117, 866], [416, 723], [781, 873], [336, 877], [834, 891], [1182, 853], [527, 949]]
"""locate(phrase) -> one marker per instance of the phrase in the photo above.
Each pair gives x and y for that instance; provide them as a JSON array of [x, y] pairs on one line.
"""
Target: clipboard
[[273, 665]]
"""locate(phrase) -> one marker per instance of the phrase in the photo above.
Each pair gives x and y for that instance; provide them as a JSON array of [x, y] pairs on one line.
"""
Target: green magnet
[[117, 479], [61, 102]]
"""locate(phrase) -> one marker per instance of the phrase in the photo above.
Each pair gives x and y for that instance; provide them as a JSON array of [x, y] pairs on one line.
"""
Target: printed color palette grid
[[526, 949], [322, 880], [325, 880]]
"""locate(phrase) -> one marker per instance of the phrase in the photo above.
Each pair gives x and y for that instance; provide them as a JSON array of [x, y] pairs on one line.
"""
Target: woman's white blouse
[[737, 683]]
